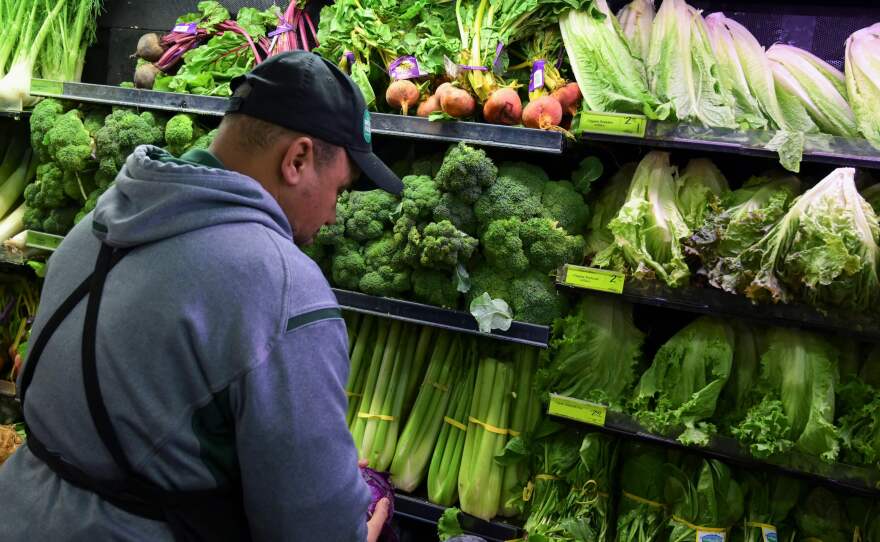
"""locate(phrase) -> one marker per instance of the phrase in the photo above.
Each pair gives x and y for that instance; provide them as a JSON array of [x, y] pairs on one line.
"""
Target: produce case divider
[[853, 479], [418, 509], [458, 321], [712, 301]]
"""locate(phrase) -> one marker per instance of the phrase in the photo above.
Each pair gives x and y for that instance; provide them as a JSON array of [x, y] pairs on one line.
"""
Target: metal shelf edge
[[459, 321], [850, 478], [428, 512]]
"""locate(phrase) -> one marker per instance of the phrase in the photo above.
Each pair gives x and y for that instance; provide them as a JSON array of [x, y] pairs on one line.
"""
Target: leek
[[13, 224]]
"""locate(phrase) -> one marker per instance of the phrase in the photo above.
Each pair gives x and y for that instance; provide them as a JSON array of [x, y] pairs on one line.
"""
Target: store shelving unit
[[458, 321], [719, 303], [850, 478], [421, 510], [818, 148]]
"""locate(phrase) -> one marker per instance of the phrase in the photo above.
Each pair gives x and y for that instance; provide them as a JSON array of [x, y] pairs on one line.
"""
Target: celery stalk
[[387, 431], [419, 361], [377, 404], [361, 352], [419, 437], [479, 482], [446, 459], [358, 424]]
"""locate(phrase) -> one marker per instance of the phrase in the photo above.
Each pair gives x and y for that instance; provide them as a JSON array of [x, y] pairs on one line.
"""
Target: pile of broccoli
[[463, 226], [82, 148]]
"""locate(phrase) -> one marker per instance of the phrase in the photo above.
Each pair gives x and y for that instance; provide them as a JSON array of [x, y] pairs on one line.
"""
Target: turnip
[[457, 102], [544, 113], [145, 75], [149, 47], [569, 97], [401, 95], [503, 107], [429, 106]]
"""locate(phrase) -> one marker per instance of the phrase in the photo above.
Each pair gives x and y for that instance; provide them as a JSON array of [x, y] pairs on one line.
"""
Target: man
[[188, 363]]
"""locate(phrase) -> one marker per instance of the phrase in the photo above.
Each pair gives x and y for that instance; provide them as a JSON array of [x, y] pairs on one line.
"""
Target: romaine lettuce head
[[606, 206], [636, 19], [700, 187], [863, 80], [648, 228]]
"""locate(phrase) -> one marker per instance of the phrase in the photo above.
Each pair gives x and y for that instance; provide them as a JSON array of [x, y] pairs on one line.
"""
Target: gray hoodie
[[221, 352]]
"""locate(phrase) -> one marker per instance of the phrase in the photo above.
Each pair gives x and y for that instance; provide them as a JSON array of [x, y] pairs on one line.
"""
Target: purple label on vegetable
[[473, 68], [405, 67], [281, 29], [350, 56], [536, 80], [188, 28], [559, 58], [497, 68]]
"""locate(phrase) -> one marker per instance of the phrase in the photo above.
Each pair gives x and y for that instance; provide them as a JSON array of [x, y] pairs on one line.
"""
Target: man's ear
[[297, 158]]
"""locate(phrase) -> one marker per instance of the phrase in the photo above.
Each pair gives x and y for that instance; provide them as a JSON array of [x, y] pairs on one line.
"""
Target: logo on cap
[[368, 136]]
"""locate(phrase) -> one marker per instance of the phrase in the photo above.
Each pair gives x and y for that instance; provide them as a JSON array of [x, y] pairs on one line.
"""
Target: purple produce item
[[380, 486]]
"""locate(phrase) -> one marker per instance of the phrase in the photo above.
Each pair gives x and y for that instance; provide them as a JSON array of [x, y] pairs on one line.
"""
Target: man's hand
[[380, 515], [374, 525]]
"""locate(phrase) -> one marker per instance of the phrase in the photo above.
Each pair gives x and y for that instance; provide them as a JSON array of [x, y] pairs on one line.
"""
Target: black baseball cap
[[304, 92]]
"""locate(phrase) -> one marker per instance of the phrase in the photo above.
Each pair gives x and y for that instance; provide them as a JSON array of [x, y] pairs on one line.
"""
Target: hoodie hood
[[153, 200]]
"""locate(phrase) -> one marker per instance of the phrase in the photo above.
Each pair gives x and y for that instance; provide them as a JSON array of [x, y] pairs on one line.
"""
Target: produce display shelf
[[818, 148], [864, 481], [383, 124], [458, 321], [419, 509], [719, 303]]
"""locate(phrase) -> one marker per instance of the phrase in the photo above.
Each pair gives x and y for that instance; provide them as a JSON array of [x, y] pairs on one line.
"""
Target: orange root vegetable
[[429, 106], [401, 95], [442, 89], [544, 113], [457, 103], [569, 97], [503, 107]]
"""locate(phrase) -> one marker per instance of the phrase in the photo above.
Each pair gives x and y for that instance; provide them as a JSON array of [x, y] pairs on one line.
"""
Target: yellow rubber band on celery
[[546, 477], [642, 500], [455, 423], [383, 417], [353, 394], [488, 427], [513, 433], [759, 525]]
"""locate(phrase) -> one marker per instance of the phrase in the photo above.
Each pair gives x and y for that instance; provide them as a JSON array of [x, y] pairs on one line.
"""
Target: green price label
[[575, 409], [44, 241], [45, 87], [613, 123], [592, 279]]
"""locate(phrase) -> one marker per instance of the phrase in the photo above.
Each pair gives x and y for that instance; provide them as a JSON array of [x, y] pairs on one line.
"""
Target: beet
[[145, 75], [429, 106], [457, 103], [569, 97], [149, 47], [503, 107], [544, 113], [401, 95]]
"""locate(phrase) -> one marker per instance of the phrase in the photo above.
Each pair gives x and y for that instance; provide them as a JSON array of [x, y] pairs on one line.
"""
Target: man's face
[[310, 202]]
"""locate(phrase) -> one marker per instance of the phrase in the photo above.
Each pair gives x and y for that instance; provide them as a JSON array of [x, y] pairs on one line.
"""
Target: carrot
[[544, 113], [503, 107], [401, 95], [457, 102], [569, 97], [429, 106]]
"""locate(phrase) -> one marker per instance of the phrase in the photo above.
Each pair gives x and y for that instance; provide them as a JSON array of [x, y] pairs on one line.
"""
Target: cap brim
[[375, 170]]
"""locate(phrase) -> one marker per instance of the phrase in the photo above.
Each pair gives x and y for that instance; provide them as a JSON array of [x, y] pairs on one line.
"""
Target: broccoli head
[[47, 191], [509, 197], [435, 288], [69, 143], [34, 218], [123, 130], [78, 185], [386, 274], [565, 205], [503, 247], [420, 196], [534, 298], [93, 119], [348, 265], [427, 165], [526, 174], [489, 279], [458, 212], [548, 246], [466, 172], [60, 221], [369, 213], [445, 246], [43, 118], [205, 141], [89, 206], [333, 234], [181, 132]]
